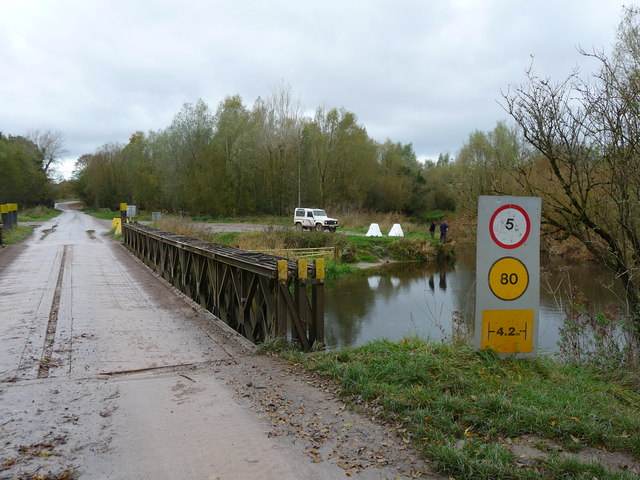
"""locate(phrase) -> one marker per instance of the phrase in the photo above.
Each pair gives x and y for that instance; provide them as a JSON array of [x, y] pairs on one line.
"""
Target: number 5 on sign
[[510, 226]]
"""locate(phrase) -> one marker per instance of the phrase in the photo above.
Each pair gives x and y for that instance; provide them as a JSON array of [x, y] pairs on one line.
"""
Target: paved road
[[108, 372]]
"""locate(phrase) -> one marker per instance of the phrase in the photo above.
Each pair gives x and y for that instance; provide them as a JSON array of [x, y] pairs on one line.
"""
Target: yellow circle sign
[[508, 278]]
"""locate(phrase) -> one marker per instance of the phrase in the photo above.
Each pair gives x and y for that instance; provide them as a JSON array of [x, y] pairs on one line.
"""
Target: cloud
[[428, 73]]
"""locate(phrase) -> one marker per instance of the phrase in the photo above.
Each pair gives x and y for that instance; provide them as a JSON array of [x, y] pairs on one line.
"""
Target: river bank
[[476, 416]]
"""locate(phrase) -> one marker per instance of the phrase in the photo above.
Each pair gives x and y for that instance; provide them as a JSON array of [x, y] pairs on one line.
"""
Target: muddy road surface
[[106, 372]]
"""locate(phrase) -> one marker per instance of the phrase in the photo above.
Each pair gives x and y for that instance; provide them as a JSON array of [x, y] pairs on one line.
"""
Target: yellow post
[[117, 224], [123, 214], [282, 270], [320, 268], [302, 269]]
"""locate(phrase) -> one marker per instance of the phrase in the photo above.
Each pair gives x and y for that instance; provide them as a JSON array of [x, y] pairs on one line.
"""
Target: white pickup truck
[[314, 219]]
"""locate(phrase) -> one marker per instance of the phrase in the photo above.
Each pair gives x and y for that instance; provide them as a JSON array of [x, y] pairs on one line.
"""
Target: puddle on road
[[46, 232]]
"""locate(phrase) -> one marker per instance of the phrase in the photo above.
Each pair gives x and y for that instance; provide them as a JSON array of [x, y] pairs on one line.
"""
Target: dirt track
[[108, 372]]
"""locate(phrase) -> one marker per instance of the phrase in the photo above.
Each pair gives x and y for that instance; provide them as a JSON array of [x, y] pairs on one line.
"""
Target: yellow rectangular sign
[[302, 269], [320, 268], [507, 331], [283, 272]]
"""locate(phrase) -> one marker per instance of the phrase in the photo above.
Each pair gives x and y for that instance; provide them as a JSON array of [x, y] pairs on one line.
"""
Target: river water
[[408, 299]]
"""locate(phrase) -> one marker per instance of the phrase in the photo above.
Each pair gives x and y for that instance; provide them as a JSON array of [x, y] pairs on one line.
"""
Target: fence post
[[316, 330], [281, 304], [14, 214]]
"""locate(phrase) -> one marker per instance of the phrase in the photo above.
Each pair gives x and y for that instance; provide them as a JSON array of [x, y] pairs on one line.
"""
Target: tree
[[50, 145], [278, 123], [587, 133], [180, 151], [22, 179], [398, 171], [140, 173], [233, 142], [100, 177], [484, 162], [340, 157]]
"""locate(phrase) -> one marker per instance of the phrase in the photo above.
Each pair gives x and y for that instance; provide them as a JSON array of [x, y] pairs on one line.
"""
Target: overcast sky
[[422, 72]]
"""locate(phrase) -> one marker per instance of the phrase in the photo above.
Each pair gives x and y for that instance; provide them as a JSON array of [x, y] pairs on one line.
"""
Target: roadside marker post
[[6, 221], [508, 275]]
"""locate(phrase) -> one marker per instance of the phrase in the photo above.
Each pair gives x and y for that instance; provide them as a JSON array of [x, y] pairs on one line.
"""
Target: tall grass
[[361, 219], [279, 239], [16, 235], [459, 406], [37, 214], [181, 226]]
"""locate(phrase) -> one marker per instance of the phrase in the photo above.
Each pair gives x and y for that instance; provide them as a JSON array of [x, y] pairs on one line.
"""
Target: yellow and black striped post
[[6, 219], [13, 209]]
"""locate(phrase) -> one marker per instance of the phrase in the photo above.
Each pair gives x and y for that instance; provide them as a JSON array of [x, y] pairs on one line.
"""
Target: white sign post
[[508, 275]]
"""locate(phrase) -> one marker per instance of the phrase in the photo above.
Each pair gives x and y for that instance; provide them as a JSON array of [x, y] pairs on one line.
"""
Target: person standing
[[444, 226], [432, 229]]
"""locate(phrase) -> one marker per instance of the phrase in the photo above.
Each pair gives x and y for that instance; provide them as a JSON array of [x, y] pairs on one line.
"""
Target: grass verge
[[462, 408], [117, 237], [102, 213], [37, 214], [16, 235]]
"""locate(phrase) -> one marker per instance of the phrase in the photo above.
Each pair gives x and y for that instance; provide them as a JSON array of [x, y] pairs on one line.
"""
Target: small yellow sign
[[117, 224], [508, 278], [320, 268], [283, 272], [507, 331], [302, 269]]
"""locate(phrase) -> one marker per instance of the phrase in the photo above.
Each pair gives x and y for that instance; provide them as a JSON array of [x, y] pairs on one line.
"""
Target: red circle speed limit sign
[[510, 226]]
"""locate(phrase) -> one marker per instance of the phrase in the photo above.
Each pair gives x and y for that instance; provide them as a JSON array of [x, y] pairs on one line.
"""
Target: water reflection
[[403, 299]]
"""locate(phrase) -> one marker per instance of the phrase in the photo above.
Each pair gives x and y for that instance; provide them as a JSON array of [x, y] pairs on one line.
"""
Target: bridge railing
[[258, 295]]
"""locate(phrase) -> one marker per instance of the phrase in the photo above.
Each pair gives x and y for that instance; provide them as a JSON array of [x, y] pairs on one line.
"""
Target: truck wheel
[[299, 227], [318, 227]]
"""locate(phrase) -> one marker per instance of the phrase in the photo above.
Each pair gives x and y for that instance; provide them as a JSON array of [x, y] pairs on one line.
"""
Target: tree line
[[264, 160], [27, 167]]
